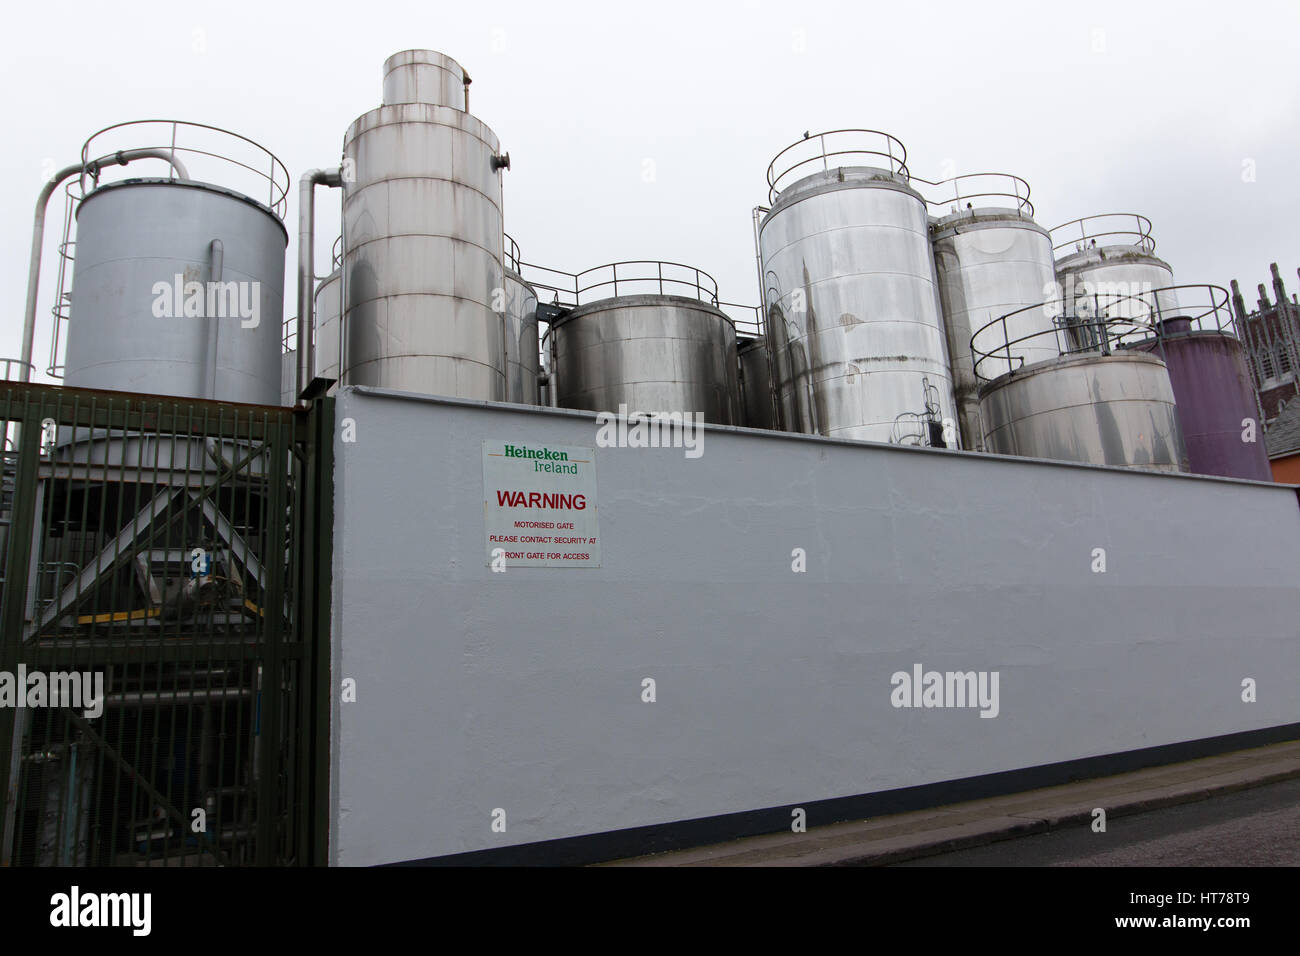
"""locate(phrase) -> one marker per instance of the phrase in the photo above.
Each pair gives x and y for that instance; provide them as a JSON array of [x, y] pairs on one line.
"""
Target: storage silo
[[422, 238], [1218, 407], [756, 409], [1112, 255], [288, 376], [1098, 404], [657, 352], [178, 285], [850, 293], [523, 358], [325, 336], [991, 259], [329, 308]]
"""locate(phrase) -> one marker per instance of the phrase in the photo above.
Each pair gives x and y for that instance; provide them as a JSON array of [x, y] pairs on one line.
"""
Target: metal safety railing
[[9, 369], [213, 155], [1178, 310], [630, 277], [289, 327], [160, 572], [1064, 326], [748, 319], [1080, 234], [841, 148], [61, 311], [289, 335], [511, 253], [975, 190], [834, 149]]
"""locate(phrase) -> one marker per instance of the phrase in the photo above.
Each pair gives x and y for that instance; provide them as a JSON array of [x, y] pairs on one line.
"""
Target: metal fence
[[164, 572]]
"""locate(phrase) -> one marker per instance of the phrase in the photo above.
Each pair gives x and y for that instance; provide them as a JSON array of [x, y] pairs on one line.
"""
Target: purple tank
[[1213, 392]]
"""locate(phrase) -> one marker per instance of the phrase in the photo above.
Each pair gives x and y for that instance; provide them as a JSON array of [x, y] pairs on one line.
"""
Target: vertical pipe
[[772, 383], [38, 233], [216, 259], [552, 378], [307, 269]]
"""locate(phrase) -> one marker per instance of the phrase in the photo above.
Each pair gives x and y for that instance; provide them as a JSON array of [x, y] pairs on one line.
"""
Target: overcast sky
[[1160, 108]]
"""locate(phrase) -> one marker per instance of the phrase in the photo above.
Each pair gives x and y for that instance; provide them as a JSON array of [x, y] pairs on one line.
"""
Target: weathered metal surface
[[523, 357], [133, 324], [852, 308], [422, 256], [652, 353], [1217, 407], [990, 262], [1092, 408], [756, 400]]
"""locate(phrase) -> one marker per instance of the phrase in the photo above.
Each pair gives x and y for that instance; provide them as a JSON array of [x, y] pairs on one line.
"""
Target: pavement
[[920, 833]]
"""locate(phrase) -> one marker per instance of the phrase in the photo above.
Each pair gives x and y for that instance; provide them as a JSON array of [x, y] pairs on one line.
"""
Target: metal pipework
[[307, 267], [120, 158], [777, 422], [139, 697], [216, 259]]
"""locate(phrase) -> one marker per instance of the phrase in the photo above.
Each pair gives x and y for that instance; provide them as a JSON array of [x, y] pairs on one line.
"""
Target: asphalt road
[[1258, 827]]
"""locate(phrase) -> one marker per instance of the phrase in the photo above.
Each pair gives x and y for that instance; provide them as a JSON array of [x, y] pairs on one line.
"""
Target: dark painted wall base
[[638, 841]]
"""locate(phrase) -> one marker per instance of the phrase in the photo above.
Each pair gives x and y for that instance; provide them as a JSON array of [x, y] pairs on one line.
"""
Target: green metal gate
[[163, 622]]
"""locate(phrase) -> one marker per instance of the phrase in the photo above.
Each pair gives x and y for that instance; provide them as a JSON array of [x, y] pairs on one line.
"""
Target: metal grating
[[167, 549]]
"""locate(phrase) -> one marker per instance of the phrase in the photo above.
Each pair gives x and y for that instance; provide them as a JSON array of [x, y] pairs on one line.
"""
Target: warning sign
[[539, 505]]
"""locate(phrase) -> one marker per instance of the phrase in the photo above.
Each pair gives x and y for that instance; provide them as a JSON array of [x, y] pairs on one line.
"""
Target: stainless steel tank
[[1087, 407], [654, 353], [288, 376], [422, 238], [1111, 257], [756, 406], [851, 303], [329, 307], [523, 357], [325, 337], [147, 313], [990, 262]]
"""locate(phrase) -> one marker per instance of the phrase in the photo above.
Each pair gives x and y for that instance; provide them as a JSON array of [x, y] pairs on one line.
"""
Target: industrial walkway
[[907, 836]]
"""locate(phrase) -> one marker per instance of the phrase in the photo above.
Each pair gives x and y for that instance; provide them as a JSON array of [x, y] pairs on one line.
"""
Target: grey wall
[[522, 690]]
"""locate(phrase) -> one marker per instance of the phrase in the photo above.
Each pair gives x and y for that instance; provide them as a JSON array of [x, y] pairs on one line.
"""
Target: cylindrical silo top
[[832, 154], [424, 76], [978, 200], [1112, 231], [972, 220]]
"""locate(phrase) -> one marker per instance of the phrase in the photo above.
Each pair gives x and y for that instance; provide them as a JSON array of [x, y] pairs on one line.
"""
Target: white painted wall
[[522, 690]]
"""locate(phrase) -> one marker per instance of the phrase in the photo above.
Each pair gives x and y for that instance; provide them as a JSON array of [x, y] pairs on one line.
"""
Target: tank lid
[[1108, 255], [832, 150], [969, 219], [180, 184], [843, 177], [1112, 228], [615, 303], [424, 76]]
